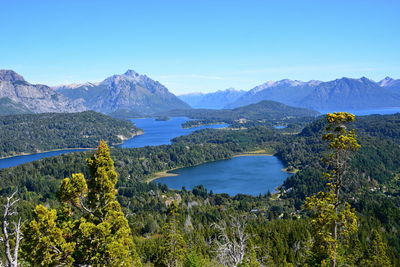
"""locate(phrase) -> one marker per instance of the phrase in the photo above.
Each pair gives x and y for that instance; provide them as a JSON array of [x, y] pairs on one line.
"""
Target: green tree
[[376, 252], [45, 242], [173, 248], [100, 233], [250, 259], [334, 220]]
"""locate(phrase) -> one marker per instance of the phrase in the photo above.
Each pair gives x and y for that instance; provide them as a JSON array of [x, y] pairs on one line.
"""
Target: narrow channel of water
[[155, 133], [18, 160], [161, 132]]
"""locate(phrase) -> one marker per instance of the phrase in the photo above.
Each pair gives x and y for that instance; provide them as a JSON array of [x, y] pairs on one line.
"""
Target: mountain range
[[132, 94], [126, 93], [344, 93], [214, 100]]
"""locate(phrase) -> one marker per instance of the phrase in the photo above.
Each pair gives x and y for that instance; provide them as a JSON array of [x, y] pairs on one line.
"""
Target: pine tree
[[44, 242], [250, 259], [376, 252], [101, 234], [334, 220], [173, 248]]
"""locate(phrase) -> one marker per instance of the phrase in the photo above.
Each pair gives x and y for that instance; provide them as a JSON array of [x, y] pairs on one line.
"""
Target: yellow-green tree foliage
[[250, 259], [173, 248], [334, 220], [98, 236], [45, 242], [376, 252]]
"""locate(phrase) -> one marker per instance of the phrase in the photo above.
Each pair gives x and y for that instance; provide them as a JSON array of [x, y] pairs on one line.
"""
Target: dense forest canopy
[[32, 133], [277, 228]]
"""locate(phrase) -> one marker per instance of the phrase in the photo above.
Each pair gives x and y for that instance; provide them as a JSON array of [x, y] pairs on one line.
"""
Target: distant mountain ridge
[[20, 96], [344, 93], [350, 93], [264, 110], [132, 94], [214, 100], [129, 92]]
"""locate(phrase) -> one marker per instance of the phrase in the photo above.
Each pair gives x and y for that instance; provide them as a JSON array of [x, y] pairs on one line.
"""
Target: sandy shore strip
[[261, 152], [162, 174]]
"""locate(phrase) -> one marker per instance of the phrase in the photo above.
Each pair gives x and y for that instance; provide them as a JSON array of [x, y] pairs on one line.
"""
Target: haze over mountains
[[344, 93], [215, 100]]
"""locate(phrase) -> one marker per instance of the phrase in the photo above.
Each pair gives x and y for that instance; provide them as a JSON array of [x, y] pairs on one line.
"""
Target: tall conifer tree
[[333, 220], [100, 236]]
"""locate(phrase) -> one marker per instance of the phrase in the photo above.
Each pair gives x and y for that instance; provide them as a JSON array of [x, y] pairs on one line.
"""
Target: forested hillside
[[277, 227], [269, 112], [31, 133]]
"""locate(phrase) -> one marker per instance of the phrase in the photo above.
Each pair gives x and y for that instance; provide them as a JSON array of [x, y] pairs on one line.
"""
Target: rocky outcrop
[[36, 98]]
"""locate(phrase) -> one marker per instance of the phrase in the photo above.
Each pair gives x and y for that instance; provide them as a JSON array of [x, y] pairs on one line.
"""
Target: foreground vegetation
[[32, 133], [199, 228]]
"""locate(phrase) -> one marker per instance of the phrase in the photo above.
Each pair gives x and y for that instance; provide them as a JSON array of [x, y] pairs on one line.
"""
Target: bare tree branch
[[231, 242], [11, 252]]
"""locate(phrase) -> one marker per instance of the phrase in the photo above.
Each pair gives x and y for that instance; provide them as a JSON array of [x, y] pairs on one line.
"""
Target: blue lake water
[[14, 161], [279, 127], [156, 133], [363, 112], [252, 175], [161, 132]]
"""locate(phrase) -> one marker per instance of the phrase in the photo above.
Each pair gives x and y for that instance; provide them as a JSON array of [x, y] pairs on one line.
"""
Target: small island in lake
[[162, 118]]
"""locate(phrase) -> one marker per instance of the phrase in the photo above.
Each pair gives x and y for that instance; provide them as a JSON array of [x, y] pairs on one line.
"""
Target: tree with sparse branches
[[334, 220], [231, 242], [11, 231]]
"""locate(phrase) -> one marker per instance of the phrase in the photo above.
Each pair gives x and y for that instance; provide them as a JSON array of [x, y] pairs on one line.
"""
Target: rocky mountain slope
[[284, 91], [9, 107], [391, 84], [129, 92], [24, 97], [344, 93], [214, 100], [351, 94]]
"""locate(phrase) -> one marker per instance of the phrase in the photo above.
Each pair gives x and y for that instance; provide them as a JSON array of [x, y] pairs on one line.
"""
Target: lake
[[155, 133], [14, 161], [252, 175], [161, 132], [364, 112]]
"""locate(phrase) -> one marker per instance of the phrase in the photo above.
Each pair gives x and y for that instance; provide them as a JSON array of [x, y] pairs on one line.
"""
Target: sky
[[200, 46]]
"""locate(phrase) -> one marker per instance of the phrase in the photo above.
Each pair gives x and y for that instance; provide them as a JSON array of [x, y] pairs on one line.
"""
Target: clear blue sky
[[202, 45]]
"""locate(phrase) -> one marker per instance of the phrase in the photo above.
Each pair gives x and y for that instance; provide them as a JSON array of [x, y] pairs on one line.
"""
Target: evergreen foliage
[[279, 232], [31, 133], [94, 228], [334, 220]]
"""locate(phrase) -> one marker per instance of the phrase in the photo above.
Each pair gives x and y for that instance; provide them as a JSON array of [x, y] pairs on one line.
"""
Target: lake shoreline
[[46, 151], [167, 173], [123, 139], [247, 173]]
